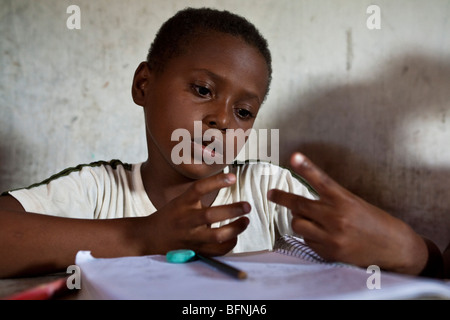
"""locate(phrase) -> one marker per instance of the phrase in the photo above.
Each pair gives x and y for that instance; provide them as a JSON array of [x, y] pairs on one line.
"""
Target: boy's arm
[[434, 267], [446, 256], [33, 243]]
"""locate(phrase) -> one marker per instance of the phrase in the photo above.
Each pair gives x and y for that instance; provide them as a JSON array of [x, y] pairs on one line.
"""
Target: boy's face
[[219, 83]]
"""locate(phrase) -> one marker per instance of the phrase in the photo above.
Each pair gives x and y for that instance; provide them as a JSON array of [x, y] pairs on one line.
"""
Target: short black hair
[[177, 32]]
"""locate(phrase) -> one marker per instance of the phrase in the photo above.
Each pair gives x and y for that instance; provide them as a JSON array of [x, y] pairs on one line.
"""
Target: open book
[[291, 271]]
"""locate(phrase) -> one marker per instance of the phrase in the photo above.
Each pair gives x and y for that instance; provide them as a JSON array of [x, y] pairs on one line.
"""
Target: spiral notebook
[[291, 271], [294, 246]]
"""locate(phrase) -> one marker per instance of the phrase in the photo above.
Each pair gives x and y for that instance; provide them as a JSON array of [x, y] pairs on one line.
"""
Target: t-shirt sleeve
[[70, 195]]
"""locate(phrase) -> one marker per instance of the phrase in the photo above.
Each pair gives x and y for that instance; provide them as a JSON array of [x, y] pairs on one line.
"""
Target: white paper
[[271, 276]]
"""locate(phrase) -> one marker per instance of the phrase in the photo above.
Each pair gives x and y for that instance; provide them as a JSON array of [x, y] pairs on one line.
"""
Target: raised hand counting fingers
[[185, 223], [341, 226], [314, 214]]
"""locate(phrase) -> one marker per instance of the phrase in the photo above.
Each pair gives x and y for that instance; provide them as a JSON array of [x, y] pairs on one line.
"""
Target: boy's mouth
[[206, 149]]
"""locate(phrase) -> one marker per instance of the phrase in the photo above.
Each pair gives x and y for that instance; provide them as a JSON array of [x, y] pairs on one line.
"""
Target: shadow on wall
[[4, 178], [368, 137], [16, 162]]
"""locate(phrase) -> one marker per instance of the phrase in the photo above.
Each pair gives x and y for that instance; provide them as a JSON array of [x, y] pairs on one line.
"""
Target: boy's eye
[[244, 114], [202, 91]]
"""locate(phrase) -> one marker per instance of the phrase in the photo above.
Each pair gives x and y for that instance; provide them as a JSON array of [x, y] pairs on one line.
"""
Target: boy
[[204, 65], [211, 67]]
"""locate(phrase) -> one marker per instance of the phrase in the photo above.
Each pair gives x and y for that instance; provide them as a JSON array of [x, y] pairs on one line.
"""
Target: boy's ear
[[140, 83]]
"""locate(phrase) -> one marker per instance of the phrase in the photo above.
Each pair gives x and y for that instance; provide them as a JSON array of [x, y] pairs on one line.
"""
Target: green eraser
[[180, 256]]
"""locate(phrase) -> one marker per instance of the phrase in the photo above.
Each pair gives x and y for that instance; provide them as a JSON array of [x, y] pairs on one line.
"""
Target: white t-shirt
[[105, 190]]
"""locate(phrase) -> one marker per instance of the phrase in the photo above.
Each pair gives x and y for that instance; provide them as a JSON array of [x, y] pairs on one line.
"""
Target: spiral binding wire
[[294, 246]]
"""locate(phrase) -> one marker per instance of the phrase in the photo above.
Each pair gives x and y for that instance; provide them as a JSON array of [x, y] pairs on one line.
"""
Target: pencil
[[44, 291], [239, 274]]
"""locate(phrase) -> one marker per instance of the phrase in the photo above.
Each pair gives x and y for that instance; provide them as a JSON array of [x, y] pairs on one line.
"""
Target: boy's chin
[[199, 171]]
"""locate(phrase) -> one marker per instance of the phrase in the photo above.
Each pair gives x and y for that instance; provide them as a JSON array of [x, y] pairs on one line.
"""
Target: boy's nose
[[220, 119]]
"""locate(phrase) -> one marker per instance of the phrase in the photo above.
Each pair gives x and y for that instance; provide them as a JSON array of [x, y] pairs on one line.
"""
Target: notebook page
[[271, 276]]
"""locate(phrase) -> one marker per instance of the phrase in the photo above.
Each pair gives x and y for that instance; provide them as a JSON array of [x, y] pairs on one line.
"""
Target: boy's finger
[[220, 213], [207, 185], [308, 229], [227, 232], [297, 204], [318, 179], [217, 249]]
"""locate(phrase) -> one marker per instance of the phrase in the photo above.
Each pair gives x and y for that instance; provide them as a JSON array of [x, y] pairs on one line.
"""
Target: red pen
[[44, 291]]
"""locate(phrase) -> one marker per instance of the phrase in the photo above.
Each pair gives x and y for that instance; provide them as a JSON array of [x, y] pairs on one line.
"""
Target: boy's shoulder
[[97, 166], [114, 164]]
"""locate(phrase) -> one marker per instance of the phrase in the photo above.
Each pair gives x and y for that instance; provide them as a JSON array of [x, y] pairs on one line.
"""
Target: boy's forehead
[[221, 46], [224, 55]]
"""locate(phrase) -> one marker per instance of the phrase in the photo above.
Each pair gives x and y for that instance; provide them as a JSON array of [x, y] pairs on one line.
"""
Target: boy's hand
[[343, 227], [184, 224]]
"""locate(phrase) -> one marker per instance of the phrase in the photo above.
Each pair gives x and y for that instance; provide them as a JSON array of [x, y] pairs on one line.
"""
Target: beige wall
[[371, 107]]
